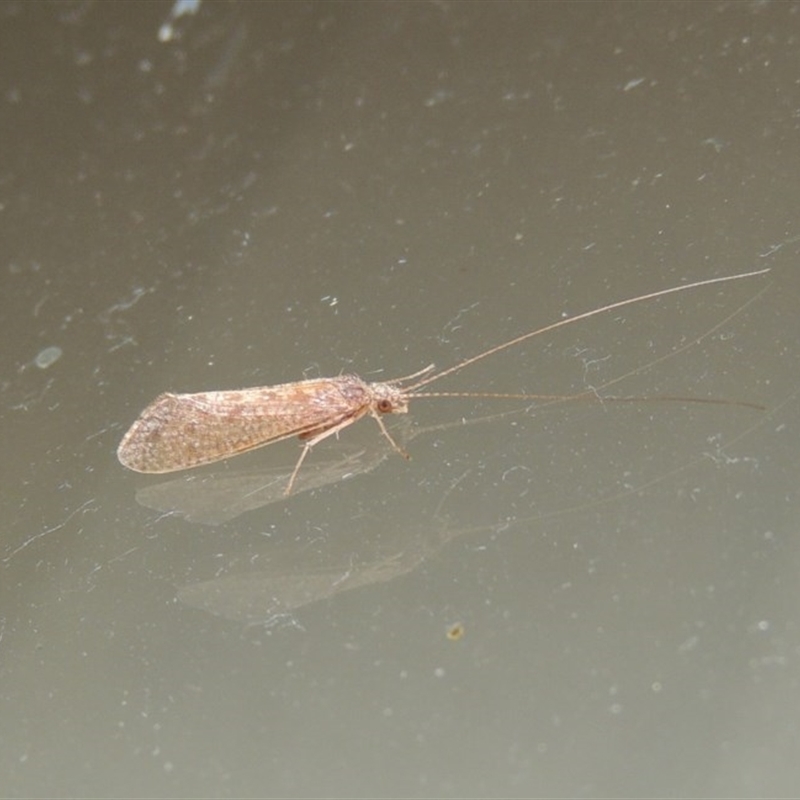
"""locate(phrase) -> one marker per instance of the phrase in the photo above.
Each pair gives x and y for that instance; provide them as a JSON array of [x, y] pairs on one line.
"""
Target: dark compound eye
[[385, 406]]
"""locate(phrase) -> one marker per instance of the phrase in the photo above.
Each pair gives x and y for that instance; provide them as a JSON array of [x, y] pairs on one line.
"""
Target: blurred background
[[564, 599]]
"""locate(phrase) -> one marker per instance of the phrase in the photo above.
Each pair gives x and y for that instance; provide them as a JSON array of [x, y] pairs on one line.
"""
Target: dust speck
[[48, 357]]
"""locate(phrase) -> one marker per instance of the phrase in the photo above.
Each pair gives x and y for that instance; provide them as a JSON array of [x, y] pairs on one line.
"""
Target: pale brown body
[[179, 431]]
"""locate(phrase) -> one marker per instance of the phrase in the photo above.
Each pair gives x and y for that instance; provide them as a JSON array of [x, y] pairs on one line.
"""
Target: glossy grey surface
[[249, 194]]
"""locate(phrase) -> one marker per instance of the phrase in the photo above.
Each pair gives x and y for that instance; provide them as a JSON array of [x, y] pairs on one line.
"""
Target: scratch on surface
[[451, 325], [33, 398], [48, 531], [117, 331]]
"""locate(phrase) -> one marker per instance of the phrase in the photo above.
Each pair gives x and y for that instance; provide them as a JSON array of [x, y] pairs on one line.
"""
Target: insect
[[180, 431]]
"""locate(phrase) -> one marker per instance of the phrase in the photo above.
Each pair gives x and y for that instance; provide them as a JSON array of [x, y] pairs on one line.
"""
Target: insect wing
[[178, 431]]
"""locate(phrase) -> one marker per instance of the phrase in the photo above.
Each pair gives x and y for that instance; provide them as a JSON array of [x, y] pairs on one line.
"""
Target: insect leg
[[392, 442], [323, 433]]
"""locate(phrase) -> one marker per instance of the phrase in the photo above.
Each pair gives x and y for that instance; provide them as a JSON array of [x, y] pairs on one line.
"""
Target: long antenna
[[591, 394], [584, 315]]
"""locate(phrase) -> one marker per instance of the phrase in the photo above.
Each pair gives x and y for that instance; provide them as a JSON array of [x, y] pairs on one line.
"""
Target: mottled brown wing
[[178, 431]]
